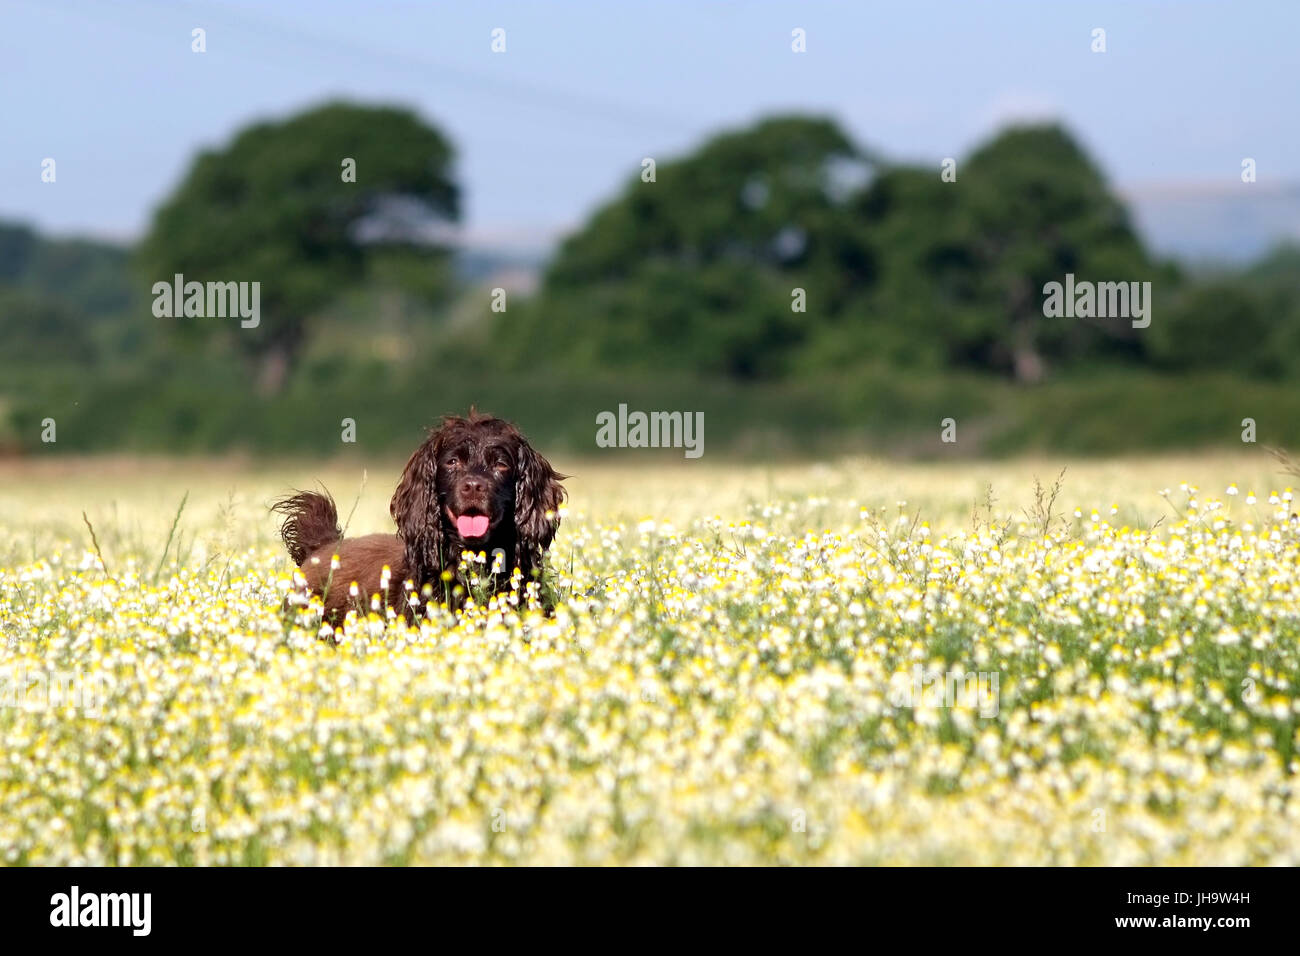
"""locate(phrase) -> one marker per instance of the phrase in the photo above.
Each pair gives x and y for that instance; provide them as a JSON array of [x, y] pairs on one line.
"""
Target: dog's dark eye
[[452, 462], [502, 465]]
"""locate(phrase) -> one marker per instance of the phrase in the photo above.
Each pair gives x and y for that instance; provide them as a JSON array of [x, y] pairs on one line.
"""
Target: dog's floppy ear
[[538, 496], [415, 509]]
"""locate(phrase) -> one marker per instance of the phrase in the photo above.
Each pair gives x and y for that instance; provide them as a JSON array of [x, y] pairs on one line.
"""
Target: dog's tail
[[311, 521]]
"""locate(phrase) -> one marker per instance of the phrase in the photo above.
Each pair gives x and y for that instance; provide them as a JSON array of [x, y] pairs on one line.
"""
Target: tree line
[[780, 259]]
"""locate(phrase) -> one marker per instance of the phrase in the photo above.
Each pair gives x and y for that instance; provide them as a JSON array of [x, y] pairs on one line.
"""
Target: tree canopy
[[696, 270], [274, 207], [782, 276]]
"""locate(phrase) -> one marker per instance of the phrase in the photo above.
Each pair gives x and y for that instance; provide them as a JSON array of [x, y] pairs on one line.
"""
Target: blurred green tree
[[274, 207], [696, 271], [693, 272], [39, 331], [967, 261], [1228, 325], [1277, 277], [17, 244]]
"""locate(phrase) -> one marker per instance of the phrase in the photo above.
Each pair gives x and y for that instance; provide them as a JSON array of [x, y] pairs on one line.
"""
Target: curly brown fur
[[478, 467], [311, 521], [475, 484]]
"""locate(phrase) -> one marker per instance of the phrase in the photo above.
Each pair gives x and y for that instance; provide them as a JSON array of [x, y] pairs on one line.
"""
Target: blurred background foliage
[[923, 302]]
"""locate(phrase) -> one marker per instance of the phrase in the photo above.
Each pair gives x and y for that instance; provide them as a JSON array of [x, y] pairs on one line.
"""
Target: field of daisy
[[855, 662]]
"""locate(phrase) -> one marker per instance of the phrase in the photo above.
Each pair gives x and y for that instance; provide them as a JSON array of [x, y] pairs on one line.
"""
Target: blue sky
[[549, 129]]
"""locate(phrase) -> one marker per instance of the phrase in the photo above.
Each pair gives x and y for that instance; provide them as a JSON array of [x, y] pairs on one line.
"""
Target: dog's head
[[476, 484]]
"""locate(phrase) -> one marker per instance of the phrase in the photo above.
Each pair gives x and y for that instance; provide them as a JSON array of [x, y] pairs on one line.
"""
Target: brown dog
[[474, 485]]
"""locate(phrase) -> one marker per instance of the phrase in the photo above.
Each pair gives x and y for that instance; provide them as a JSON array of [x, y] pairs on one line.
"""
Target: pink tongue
[[472, 526]]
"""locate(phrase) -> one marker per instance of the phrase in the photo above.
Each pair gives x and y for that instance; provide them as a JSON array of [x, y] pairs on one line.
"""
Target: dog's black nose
[[472, 486]]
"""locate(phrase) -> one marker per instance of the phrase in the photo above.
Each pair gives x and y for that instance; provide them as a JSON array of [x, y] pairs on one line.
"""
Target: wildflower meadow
[[1029, 662]]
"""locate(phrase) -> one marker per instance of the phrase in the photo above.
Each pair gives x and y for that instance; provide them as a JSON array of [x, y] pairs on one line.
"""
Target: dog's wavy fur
[[523, 502]]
